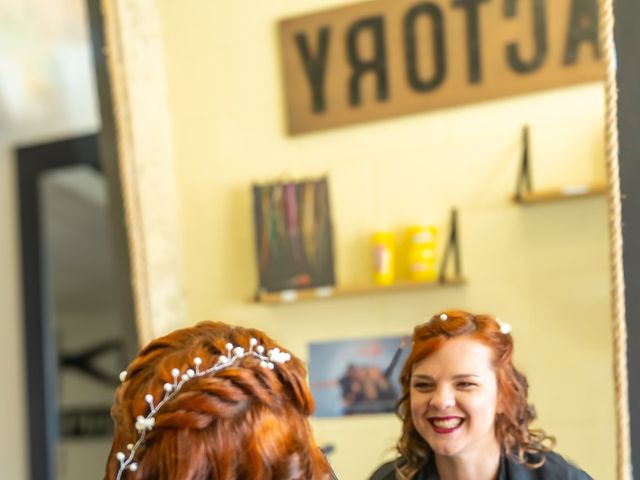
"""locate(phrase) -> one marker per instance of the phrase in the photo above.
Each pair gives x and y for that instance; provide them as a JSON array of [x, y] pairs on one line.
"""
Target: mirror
[[214, 76]]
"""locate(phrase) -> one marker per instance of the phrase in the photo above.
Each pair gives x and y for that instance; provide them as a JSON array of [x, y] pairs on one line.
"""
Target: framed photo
[[294, 235], [352, 377]]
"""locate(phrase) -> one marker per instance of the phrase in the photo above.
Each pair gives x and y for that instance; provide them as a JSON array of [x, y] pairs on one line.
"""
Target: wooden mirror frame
[[138, 88]]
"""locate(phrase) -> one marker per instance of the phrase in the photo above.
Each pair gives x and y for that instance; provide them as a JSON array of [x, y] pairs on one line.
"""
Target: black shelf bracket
[[452, 249], [523, 183]]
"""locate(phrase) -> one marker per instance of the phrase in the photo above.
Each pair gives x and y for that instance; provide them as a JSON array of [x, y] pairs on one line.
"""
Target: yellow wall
[[543, 268]]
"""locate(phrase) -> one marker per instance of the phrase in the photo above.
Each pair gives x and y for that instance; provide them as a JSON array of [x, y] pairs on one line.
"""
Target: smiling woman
[[464, 408]]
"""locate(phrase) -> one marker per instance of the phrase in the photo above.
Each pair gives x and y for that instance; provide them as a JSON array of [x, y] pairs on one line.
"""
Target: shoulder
[[563, 469], [385, 472], [554, 468]]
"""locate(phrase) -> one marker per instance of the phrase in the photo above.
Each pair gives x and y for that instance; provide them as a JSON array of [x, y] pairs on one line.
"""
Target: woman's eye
[[466, 385], [423, 386]]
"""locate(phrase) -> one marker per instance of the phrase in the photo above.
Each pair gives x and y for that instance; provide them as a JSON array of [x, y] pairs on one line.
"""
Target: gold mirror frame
[[145, 160], [145, 153]]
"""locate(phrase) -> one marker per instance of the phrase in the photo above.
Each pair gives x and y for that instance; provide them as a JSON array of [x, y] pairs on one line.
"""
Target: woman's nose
[[442, 399]]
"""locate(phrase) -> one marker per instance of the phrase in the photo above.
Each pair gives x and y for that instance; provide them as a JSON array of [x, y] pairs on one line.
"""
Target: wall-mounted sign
[[384, 58]]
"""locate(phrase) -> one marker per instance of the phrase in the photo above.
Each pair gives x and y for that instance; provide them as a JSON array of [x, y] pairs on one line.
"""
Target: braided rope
[[623, 455], [128, 181]]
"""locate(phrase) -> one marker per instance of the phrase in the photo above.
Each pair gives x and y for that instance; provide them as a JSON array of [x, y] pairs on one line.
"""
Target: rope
[[623, 455], [126, 168]]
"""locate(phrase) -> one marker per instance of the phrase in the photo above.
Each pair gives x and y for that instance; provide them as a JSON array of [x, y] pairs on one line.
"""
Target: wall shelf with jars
[[449, 275]]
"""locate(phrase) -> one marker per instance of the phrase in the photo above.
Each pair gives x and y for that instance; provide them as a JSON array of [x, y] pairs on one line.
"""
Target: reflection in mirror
[[83, 311], [543, 268]]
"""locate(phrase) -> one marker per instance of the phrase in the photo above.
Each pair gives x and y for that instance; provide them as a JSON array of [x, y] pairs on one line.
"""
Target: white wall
[[47, 92]]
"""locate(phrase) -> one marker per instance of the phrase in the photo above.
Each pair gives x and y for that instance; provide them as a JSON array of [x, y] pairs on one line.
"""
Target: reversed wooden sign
[[384, 58]]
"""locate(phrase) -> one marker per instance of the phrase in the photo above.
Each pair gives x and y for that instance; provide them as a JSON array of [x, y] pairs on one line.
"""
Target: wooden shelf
[[574, 191], [296, 296]]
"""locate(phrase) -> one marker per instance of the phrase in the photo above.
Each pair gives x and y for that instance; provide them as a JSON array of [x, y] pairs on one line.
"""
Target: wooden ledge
[[323, 293], [558, 194]]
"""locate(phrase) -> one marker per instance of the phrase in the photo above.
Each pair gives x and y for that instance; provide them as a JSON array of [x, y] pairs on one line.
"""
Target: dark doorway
[[78, 326]]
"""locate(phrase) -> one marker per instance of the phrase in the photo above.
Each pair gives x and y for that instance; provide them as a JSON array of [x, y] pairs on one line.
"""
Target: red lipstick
[[442, 429]]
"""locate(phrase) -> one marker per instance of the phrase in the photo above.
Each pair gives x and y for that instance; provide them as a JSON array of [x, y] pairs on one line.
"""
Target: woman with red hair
[[214, 402], [464, 408]]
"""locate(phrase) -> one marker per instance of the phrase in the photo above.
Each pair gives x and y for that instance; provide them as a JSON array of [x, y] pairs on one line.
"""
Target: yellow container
[[384, 258], [421, 252]]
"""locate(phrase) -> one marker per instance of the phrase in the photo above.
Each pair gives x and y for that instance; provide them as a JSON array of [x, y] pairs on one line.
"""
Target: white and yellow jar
[[421, 252]]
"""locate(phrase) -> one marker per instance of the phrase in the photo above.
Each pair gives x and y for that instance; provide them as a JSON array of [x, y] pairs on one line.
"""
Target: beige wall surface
[[13, 438], [542, 268]]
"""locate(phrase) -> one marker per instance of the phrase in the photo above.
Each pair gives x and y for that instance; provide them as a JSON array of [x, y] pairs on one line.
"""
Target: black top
[[555, 468]]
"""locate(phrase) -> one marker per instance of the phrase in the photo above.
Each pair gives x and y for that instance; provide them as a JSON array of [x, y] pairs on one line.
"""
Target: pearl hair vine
[[146, 423], [505, 328]]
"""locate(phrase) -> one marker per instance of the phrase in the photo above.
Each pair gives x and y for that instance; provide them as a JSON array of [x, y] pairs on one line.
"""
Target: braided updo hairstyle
[[243, 422]]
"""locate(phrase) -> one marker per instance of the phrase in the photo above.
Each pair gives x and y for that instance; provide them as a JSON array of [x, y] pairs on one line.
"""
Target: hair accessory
[[146, 423], [443, 316], [505, 327]]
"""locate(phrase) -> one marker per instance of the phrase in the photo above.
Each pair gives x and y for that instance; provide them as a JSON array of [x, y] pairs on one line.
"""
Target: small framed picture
[[294, 235], [353, 377]]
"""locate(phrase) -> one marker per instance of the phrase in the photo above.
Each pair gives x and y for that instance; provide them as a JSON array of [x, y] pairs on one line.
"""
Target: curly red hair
[[511, 425], [244, 422]]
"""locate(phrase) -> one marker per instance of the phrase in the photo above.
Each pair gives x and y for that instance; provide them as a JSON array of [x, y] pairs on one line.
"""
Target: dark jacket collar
[[554, 468], [429, 472]]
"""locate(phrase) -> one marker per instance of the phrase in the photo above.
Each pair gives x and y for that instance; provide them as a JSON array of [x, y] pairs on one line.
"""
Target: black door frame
[[40, 350]]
